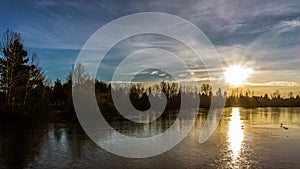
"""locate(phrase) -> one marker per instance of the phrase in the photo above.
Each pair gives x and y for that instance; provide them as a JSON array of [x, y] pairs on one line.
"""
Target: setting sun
[[236, 75]]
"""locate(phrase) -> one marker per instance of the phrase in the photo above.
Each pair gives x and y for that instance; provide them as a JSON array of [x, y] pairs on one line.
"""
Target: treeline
[[24, 91], [247, 99]]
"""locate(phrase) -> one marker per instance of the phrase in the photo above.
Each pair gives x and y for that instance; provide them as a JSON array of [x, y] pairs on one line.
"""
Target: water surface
[[245, 138]]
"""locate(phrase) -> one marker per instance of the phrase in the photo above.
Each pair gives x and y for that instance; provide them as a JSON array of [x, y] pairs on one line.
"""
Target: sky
[[261, 34]]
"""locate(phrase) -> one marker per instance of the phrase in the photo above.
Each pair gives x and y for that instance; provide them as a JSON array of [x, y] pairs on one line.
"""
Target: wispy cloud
[[264, 35], [275, 84], [287, 25]]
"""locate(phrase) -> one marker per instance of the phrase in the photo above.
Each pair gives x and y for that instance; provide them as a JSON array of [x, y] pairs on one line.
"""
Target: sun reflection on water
[[235, 133]]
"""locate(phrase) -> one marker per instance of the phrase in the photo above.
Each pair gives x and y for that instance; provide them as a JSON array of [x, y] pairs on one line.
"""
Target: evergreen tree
[[20, 80]]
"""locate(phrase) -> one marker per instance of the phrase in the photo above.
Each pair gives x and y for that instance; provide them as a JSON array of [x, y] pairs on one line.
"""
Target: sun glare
[[236, 75], [235, 133]]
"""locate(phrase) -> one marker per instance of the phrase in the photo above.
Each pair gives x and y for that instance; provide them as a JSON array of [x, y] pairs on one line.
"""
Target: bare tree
[[80, 74]]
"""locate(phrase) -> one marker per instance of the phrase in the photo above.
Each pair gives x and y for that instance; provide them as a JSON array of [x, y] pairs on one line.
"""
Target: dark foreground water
[[245, 138]]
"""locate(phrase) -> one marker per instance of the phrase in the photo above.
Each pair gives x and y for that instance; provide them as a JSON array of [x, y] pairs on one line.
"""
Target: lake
[[245, 138]]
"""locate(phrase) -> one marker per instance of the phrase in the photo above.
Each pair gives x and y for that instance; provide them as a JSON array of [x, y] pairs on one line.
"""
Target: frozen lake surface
[[245, 138]]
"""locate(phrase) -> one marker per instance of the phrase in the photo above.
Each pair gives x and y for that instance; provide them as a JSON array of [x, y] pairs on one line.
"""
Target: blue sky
[[264, 35]]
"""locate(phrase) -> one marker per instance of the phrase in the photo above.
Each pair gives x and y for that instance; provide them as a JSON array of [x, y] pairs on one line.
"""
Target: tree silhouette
[[13, 69], [205, 89], [19, 79]]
